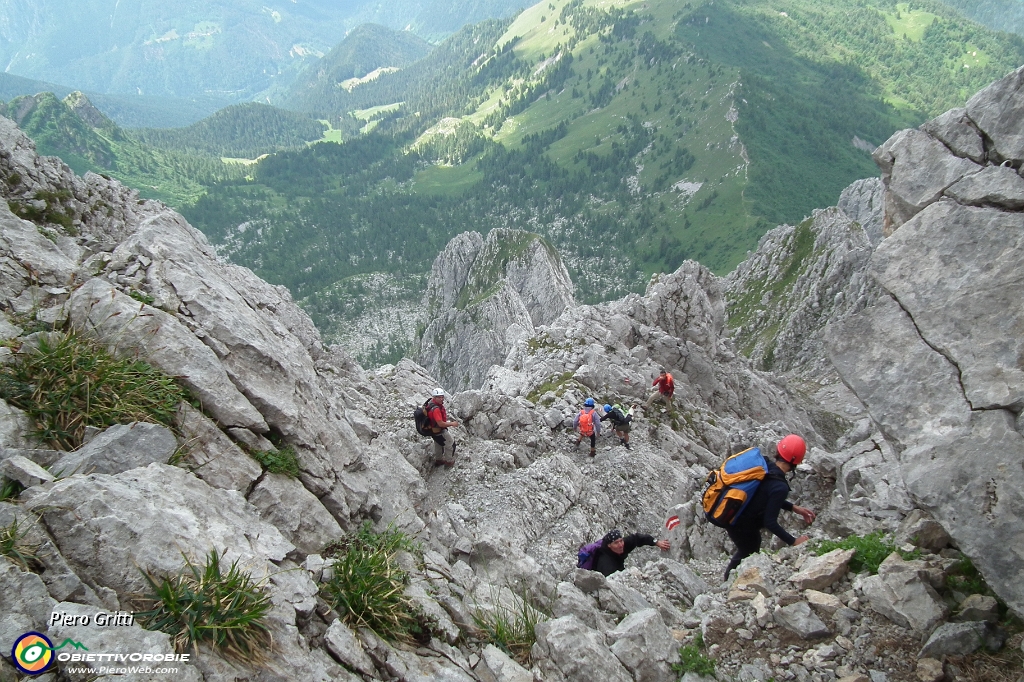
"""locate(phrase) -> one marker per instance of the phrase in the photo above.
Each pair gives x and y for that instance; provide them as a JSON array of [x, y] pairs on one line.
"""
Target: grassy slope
[[756, 104]]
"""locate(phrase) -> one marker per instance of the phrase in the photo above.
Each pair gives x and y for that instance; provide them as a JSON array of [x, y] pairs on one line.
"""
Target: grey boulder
[[120, 448]]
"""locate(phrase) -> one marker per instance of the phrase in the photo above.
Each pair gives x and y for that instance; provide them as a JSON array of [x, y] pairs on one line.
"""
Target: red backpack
[[587, 422]]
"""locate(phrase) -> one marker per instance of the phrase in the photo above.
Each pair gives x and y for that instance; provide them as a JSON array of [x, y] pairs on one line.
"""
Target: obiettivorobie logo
[[32, 653]]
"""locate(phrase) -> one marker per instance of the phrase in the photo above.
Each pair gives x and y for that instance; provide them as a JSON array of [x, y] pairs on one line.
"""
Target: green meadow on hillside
[[633, 135]]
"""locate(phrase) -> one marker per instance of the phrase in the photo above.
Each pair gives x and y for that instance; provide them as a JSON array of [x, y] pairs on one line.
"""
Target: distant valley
[[631, 135]]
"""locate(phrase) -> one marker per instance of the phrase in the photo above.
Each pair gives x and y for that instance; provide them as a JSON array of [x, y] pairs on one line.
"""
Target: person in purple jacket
[[615, 548]]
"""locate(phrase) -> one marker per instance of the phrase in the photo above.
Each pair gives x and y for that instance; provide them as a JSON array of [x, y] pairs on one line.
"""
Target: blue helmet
[[607, 408], [589, 402]]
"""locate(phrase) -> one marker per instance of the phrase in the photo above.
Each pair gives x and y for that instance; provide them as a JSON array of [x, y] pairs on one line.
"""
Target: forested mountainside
[[365, 53], [241, 130], [129, 110], [235, 49], [632, 136], [1002, 15], [174, 165]]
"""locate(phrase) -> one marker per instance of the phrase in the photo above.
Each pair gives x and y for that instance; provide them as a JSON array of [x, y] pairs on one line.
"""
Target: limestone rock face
[[119, 448], [901, 592], [569, 650], [823, 571], [122, 322], [483, 295], [26, 601], [242, 347], [862, 201], [801, 279], [291, 508], [127, 508], [937, 359]]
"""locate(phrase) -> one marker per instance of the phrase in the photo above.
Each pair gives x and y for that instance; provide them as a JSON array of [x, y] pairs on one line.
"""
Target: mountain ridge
[[907, 473]]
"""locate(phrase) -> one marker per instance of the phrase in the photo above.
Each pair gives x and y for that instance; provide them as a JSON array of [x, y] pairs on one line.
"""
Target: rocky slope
[[801, 278], [508, 518], [937, 360], [482, 296]]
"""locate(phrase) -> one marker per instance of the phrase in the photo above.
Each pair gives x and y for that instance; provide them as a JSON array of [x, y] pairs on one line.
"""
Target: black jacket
[[617, 417], [767, 502], [608, 562]]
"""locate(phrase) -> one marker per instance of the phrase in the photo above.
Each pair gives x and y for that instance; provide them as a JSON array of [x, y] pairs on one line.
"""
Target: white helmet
[[438, 392]]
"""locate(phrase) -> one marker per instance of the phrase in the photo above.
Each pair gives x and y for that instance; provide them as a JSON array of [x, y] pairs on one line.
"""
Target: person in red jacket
[[666, 387], [444, 442]]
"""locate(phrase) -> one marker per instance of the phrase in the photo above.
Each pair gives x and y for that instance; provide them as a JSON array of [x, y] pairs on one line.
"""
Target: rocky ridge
[[485, 294], [937, 360], [508, 517], [802, 278]]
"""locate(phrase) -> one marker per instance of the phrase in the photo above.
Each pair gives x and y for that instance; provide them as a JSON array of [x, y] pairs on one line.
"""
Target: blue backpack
[[585, 555], [730, 488]]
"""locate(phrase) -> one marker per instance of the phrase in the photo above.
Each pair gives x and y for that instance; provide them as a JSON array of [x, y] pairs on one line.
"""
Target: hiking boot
[[593, 452], [576, 447], [444, 462], [627, 445]]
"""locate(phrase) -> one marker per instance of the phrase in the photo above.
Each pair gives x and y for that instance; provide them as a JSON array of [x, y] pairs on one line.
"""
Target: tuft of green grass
[[14, 547], [283, 461], [70, 382], [693, 660], [871, 550], [964, 577], [208, 605], [511, 627], [141, 296], [9, 490], [367, 586]]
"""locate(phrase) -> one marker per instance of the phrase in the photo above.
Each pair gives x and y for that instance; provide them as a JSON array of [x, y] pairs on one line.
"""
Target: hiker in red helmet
[[766, 503]]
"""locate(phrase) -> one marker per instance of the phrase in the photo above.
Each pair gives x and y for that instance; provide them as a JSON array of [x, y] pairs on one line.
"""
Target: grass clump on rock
[[283, 461], [69, 382], [693, 660], [366, 585], [871, 550], [14, 547], [9, 490], [208, 605], [511, 626]]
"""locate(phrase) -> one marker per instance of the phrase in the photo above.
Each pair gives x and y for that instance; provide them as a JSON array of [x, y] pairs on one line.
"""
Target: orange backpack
[[587, 422], [731, 487]]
